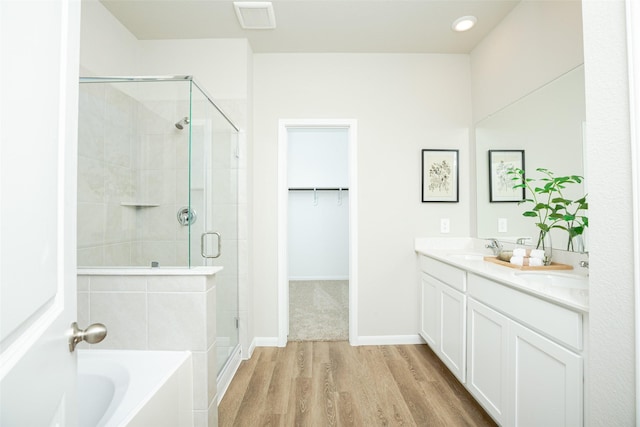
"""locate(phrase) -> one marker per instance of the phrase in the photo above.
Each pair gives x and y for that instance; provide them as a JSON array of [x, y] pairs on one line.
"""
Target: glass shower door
[[214, 192]]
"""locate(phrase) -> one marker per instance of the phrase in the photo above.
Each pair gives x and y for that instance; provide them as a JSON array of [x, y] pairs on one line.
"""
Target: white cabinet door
[[443, 324], [547, 381], [452, 330], [487, 346], [430, 311]]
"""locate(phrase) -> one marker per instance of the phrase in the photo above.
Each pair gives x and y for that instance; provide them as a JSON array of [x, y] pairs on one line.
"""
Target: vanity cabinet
[[488, 353], [519, 355], [545, 381], [519, 375], [443, 314]]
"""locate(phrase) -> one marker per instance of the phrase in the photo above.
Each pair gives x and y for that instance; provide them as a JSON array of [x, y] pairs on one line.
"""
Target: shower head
[[182, 123]]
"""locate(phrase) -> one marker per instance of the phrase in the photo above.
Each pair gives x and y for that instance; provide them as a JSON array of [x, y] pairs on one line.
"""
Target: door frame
[[633, 57], [283, 205]]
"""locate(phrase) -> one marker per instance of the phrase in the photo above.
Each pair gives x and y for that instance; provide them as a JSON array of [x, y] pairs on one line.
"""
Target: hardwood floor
[[333, 384]]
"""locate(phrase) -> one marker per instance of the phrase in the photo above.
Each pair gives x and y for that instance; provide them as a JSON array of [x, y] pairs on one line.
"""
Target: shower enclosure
[[158, 184]]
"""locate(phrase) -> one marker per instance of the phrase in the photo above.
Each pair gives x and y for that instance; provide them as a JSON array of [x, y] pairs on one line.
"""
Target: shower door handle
[[202, 244]]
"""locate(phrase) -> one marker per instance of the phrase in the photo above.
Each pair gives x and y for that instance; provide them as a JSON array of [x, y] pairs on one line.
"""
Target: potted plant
[[551, 208]]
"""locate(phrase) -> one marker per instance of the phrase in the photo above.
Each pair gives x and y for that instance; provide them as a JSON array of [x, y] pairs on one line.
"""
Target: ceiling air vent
[[255, 15]]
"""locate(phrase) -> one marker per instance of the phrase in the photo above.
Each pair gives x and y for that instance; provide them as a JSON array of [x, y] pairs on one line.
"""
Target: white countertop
[[452, 251]]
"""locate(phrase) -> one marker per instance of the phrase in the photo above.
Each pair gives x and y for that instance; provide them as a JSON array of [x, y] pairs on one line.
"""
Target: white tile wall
[[130, 152], [159, 313]]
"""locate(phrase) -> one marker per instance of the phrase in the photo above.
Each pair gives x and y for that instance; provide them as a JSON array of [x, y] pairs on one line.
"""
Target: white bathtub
[[134, 388]]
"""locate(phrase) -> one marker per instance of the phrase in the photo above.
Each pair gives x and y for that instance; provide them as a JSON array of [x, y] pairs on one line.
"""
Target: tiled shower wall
[[130, 155]]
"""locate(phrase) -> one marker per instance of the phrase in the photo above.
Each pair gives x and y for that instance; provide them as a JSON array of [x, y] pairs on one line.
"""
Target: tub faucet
[[495, 246]]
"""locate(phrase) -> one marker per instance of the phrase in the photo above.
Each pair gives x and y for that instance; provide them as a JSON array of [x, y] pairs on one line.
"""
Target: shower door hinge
[[237, 319]]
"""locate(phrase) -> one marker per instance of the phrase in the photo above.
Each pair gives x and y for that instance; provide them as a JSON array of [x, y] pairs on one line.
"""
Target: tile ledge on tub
[[147, 271]]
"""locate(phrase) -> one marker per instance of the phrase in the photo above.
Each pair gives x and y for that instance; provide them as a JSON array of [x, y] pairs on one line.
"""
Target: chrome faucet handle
[[494, 245], [584, 264], [522, 240]]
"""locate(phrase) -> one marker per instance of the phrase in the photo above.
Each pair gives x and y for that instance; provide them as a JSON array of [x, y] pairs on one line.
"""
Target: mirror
[[548, 124]]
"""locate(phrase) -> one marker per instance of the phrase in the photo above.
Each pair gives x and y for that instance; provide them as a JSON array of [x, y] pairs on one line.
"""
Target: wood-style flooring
[[333, 384]]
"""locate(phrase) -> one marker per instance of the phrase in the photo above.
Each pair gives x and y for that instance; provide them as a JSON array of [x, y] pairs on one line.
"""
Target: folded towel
[[537, 253], [517, 260], [536, 262], [520, 252]]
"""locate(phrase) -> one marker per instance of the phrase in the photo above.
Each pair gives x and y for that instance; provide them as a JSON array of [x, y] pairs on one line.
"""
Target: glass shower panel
[[214, 186], [158, 169], [133, 173]]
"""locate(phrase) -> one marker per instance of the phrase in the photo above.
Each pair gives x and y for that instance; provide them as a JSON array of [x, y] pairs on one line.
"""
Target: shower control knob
[[186, 216], [92, 335]]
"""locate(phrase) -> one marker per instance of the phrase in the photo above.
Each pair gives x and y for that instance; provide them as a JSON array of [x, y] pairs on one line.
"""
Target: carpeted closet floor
[[319, 310]]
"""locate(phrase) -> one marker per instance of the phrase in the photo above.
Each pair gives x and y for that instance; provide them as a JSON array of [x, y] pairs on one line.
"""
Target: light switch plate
[[502, 225], [444, 225]]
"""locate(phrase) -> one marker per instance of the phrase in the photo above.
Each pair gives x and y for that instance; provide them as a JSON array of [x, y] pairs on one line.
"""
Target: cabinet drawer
[[452, 276], [559, 323]]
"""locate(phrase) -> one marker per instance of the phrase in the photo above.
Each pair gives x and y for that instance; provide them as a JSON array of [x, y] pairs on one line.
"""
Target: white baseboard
[[265, 342], [227, 374], [361, 340], [389, 340], [250, 350]]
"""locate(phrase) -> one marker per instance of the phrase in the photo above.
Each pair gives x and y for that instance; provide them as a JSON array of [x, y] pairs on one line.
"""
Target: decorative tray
[[553, 266]]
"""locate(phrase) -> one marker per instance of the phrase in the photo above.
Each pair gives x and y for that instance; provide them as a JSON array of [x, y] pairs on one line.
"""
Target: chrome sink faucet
[[495, 246]]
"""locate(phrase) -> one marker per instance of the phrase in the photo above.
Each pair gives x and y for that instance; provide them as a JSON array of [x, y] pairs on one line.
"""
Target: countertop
[[453, 251]]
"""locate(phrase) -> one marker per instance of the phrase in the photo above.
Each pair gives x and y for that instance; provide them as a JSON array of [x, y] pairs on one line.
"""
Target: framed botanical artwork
[[500, 182], [440, 175]]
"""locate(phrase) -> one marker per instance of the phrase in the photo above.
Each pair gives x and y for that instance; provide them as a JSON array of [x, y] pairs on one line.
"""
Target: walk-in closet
[[318, 233]]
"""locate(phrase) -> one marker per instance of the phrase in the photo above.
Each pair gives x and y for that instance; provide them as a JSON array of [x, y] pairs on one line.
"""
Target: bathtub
[[134, 388]]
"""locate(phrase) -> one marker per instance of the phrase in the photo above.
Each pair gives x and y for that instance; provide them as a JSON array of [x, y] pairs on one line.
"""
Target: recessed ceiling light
[[255, 15], [464, 23]]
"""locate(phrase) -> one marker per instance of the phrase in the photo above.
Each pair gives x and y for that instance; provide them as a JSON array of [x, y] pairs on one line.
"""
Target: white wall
[[220, 66], [537, 42], [403, 103], [610, 380], [107, 48]]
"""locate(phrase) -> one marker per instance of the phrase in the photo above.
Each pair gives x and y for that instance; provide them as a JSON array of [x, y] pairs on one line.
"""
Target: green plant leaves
[[550, 207]]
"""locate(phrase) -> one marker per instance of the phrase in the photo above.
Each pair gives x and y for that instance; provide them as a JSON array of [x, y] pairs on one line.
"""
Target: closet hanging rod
[[318, 189]]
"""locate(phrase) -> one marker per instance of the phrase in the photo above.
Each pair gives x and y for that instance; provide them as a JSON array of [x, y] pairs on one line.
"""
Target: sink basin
[[555, 279], [468, 256]]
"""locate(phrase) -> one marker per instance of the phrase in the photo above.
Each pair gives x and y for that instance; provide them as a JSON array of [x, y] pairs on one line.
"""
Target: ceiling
[[386, 26]]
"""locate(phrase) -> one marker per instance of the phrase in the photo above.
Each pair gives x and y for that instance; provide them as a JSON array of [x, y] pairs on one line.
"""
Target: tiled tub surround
[[158, 309]]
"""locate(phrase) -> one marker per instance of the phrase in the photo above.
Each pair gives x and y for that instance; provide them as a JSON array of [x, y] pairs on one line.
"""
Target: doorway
[[317, 196]]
